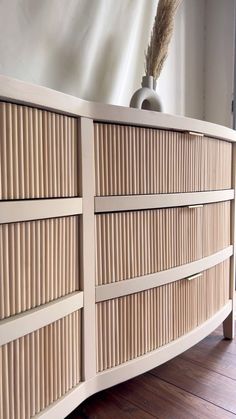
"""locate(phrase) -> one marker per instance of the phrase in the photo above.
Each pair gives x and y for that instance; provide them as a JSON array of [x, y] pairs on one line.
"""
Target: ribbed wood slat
[[216, 227], [39, 368], [134, 160], [38, 153], [133, 325], [39, 262], [135, 243]]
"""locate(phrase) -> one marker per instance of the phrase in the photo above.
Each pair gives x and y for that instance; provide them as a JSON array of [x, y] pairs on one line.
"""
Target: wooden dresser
[[117, 234]]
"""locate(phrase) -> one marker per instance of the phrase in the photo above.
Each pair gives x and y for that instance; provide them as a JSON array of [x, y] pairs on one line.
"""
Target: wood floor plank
[[199, 384], [219, 357], [218, 334], [200, 381], [215, 353], [107, 405], [216, 341], [166, 401]]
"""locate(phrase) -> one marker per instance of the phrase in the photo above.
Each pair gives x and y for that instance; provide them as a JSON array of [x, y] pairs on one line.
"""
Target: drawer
[[131, 326], [136, 243], [38, 263], [39, 153], [40, 367], [133, 160]]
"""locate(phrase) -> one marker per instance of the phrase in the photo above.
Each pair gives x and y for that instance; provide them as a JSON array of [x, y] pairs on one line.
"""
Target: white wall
[[219, 61], [181, 83], [197, 80]]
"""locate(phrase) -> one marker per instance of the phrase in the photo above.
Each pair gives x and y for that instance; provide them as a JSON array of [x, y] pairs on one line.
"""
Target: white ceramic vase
[[146, 97]]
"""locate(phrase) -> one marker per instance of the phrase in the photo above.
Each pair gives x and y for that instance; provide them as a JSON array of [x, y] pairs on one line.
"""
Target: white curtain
[[93, 49]]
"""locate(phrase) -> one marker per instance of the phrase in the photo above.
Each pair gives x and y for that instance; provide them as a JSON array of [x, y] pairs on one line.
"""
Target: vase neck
[[149, 81]]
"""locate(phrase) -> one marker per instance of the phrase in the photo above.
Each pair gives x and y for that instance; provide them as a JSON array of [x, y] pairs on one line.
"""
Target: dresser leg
[[228, 326]]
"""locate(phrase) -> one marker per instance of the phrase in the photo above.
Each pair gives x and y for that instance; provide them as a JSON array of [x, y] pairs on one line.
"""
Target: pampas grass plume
[[160, 37]]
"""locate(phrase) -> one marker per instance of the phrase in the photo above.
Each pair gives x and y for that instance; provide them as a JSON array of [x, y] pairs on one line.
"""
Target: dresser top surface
[[16, 91]]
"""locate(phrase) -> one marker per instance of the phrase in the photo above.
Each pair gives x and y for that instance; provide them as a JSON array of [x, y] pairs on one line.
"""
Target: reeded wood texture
[[133, 325], [134, 160], [39, 262], [135, 243], [39, 368], [38, 153]]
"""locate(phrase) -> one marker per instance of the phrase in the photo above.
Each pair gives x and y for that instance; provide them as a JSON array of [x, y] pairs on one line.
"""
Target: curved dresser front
[[117, 234]]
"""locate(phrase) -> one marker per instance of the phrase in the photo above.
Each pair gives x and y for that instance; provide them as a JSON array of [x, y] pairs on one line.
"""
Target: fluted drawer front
[[38, 153], [135, 243], [134, 160], [39, 262], [131, 326], [39, 368]]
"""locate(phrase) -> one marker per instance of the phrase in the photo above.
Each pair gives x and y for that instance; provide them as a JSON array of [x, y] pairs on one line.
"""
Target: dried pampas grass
[[161, 35]]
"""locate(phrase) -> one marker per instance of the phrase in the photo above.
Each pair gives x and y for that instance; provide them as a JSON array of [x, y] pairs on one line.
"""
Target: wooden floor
[[200, 383]]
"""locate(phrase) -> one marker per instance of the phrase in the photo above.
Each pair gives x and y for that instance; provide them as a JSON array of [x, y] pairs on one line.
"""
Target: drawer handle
[[195, 134], [195, 206], [194, 276]]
